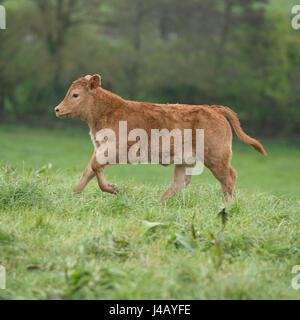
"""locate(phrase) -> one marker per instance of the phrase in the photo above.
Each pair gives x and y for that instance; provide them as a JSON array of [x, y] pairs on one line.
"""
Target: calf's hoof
[[113, 189], [77, 190], [165, 196]]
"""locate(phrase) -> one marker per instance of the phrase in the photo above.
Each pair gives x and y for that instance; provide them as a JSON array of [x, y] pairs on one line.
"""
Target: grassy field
[[58, 245]]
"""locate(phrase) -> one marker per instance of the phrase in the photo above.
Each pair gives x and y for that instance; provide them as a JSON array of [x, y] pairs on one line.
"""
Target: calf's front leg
[[104, 185], [87, 176]]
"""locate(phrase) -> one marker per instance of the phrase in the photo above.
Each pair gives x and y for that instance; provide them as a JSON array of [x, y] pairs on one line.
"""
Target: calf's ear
[[94, 81]]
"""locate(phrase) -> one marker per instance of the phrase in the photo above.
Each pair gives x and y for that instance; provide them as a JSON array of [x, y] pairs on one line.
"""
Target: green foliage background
[[243, 54]]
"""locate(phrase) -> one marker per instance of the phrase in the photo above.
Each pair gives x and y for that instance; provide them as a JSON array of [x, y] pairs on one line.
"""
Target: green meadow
[[58, 245]]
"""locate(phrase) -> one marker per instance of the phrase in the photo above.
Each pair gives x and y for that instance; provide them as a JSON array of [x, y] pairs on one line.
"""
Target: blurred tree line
[[239, 53]]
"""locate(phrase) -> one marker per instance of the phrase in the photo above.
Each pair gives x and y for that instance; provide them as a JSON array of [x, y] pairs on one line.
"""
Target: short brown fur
[[103, 109]]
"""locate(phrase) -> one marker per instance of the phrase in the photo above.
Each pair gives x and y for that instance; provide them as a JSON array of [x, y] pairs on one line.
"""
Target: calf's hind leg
[[188, 177], [178, 183], [226, 175]]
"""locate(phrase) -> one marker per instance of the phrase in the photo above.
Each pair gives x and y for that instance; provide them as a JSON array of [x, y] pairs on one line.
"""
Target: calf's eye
[[75, 95]]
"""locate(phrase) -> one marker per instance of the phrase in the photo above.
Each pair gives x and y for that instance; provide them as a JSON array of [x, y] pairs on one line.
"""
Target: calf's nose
[[56, 109]]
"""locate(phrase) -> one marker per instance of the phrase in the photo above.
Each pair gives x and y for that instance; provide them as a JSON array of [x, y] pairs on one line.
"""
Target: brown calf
[[102, 109]]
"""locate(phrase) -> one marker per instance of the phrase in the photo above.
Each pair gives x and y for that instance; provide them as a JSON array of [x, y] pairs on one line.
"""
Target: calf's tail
[[231, 115]]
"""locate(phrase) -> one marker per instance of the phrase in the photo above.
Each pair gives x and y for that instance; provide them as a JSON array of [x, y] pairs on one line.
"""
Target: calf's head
[[79, 98]]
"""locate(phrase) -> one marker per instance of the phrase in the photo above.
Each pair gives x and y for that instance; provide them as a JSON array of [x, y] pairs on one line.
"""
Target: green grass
[[58, 245]]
